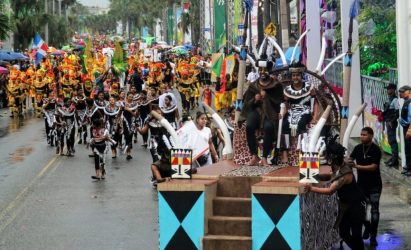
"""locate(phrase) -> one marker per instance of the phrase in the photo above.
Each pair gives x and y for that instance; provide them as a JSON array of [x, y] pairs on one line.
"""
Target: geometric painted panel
[[181, 219], [275, 221], [309, 164], [181, 163]]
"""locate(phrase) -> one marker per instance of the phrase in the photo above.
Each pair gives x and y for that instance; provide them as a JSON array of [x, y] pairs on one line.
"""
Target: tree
[[5, 26], [378, 42]]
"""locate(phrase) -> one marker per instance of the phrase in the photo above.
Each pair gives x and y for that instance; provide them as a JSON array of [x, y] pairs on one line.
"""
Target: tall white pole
[[59, 7], [312, 10], [46, 26], [403, 12], [355, 86]]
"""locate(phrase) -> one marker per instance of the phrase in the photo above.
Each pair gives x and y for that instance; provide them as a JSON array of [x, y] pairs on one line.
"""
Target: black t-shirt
[[368, 180]]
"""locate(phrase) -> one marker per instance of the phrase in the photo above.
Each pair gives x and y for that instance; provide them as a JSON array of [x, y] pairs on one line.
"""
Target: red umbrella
[[4, 70]]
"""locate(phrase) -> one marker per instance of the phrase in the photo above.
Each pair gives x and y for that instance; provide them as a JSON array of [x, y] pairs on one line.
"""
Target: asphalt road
[[50, 202]]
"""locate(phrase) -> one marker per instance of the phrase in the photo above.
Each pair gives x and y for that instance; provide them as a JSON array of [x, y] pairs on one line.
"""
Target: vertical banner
[[207, 26], [179, 26], [219, 24], [237, 20], [254, 24], [170, 26]]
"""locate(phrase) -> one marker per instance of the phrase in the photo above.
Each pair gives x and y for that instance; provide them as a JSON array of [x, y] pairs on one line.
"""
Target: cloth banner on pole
[[219, 24]]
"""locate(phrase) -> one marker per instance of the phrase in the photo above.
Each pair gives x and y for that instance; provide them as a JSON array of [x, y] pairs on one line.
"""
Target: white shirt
[[252, 77]]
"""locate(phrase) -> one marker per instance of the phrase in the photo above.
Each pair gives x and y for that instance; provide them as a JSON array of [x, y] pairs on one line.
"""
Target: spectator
[[253, 75], [390, 116], [405, 121], [367, 156]]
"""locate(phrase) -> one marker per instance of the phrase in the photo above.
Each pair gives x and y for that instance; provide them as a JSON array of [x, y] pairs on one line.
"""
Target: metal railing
[[334, 75], [374, 89]]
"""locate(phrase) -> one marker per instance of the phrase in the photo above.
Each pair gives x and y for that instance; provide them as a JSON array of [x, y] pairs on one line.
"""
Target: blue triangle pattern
[[168, 221], [193, 223], [261, 226], [289, 224]]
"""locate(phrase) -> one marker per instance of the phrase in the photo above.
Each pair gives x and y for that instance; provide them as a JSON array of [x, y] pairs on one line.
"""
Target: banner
[[179, 28], [230, 64], [170, 26], [254, 25], [217, 63], [238, 19], [219, 24]]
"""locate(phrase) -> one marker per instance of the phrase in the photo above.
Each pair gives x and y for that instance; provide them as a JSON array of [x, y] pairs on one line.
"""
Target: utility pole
[[46, 26], [285, 29], [59, 7]]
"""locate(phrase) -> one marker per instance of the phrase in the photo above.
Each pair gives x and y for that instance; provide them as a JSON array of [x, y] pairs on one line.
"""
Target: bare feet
[[264, 162], [254, 161]]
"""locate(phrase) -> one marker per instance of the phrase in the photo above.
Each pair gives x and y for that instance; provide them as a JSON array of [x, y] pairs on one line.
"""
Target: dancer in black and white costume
[[159, 138], [299, 97], [113, 118], [129, 114], [79, 102], [67, 112]]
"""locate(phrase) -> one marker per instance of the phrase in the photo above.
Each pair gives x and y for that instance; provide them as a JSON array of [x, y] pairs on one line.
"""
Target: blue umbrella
[[4, 56], [18, 56], [12, 56]]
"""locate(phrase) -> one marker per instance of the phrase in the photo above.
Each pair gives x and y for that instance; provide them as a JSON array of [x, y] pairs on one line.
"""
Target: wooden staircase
[[229, 227]]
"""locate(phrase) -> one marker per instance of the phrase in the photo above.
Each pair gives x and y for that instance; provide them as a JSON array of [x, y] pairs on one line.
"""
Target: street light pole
[[46, 26], [59, 7]]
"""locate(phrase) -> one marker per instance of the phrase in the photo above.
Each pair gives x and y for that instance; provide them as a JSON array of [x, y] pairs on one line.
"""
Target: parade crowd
[[103, 96]]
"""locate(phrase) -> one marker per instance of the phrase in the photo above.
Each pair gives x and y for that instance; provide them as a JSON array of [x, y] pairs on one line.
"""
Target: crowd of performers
[[92, 102], [79, 97]]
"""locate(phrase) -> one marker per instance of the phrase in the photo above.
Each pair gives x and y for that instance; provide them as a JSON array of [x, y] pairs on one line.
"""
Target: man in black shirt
[[367, 156]]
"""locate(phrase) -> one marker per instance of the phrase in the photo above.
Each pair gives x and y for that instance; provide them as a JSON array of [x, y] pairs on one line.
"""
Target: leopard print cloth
[[242, 154]]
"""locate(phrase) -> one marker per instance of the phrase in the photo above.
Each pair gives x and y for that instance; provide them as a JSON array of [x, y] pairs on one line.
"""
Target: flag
[[41, 47], [216, 70]]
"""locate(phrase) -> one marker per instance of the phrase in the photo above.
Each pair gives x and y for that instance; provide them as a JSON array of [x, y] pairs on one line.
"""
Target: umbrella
[[162, 46], [3, 70], [66, 47], [12, 56], [58, 53], [188, 46], [18, 56], [4, 56], [4, 63], [179, 50]]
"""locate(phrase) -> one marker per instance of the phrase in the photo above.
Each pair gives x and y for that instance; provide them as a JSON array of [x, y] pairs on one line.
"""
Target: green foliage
[[30, 17], [5, 24], [381, 46]]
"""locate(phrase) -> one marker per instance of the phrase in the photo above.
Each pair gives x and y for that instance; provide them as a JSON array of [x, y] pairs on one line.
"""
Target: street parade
[[242, 124]]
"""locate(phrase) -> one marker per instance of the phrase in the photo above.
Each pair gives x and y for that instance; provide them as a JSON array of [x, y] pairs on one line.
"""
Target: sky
[[101, 3]]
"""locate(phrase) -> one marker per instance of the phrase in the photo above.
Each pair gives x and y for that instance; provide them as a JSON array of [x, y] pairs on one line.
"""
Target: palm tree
[[5, 26]]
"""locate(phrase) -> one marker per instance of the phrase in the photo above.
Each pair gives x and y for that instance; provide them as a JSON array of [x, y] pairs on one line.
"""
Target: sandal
[[95, 177]]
